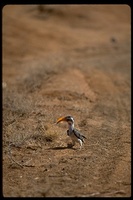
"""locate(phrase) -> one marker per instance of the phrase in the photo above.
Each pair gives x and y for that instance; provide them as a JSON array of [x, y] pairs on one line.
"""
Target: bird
[[73, 133]]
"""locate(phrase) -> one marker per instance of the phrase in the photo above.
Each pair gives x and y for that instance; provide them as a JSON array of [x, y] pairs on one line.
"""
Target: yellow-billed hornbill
[[75, 135]]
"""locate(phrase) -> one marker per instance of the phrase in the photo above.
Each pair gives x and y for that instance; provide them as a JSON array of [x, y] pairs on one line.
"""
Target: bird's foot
[[80, 147], [70, 145]]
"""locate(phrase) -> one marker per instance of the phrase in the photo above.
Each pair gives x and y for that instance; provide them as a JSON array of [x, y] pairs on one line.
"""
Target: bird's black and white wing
[[79, 135]]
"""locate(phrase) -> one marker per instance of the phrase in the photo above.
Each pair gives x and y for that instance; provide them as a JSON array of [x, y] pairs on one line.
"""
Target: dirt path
[[60, 61]]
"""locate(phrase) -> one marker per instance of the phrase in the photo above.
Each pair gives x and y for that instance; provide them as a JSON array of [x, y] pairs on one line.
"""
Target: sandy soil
[[58, 61]]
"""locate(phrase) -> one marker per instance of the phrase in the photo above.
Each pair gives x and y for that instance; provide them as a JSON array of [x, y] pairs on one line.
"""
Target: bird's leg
[[73, 143], [68, 133]]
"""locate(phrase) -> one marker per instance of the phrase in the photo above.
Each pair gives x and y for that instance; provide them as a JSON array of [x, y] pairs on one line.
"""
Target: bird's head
[[68, 119]]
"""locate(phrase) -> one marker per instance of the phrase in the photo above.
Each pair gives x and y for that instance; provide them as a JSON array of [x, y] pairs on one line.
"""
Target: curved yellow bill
[[61, 119]]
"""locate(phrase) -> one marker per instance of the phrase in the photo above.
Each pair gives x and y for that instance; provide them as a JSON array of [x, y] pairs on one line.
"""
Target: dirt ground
[[61, 60]]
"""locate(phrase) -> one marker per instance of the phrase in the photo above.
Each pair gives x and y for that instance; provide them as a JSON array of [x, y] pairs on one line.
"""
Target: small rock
[[4, 85], [113, 40], [36, 178]]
